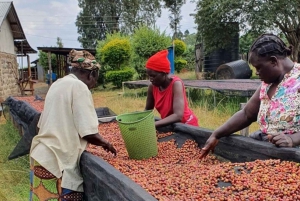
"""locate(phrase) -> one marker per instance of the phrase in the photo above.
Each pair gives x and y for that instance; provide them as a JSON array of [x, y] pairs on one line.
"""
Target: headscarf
[[83, 59], [159, 62]]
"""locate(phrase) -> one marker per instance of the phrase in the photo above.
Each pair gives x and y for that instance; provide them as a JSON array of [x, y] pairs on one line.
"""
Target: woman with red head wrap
[[166, 93]]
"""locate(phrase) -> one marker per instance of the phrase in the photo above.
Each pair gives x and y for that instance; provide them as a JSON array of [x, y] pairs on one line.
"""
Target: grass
[[188, 75], [14, 174], [14, 182]]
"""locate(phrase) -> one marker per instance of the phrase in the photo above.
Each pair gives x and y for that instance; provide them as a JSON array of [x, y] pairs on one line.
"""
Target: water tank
[[234, 70], [223, 55]]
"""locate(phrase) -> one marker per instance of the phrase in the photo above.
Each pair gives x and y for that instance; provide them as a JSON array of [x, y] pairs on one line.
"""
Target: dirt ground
[[40, 89]]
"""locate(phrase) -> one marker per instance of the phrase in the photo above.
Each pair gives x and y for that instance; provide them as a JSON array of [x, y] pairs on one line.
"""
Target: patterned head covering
[[83, 59]]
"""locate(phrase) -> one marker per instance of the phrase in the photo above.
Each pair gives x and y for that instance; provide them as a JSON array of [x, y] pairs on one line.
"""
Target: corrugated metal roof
[[7, 10], [63, 50], [4, 8]]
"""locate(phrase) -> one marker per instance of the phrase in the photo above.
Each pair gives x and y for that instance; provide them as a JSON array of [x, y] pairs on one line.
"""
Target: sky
[[45, 20]]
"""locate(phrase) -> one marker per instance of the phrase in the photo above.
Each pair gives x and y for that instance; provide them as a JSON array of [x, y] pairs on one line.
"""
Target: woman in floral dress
[[276, 103]]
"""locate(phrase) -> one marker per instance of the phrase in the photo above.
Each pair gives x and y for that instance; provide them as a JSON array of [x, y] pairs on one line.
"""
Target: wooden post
[[67, 70], [58, 65], [50, 68], [29, 68], [245, 131], [215, 100]]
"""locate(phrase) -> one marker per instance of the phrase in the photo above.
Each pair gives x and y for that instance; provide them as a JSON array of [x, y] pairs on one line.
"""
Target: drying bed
[[177, 173]]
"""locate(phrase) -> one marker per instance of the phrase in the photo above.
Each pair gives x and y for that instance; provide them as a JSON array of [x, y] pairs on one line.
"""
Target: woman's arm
[[242, 118], [150, 98], [238, 121], [178, 106]]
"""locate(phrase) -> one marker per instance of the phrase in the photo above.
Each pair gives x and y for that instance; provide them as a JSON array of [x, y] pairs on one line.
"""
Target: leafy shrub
[[147, 41], [43, 60], [180, 64], [139, 64], [180, 47], [119, 76], [109, 37], [102, 78], [115, 53], [190, 57]]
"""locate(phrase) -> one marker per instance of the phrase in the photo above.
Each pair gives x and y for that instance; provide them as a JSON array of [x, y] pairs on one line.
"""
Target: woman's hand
[[210, 145], [281, 140]]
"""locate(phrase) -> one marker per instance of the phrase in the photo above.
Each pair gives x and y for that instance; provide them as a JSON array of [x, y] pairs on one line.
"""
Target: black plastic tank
[[223, 55], [234, 70]]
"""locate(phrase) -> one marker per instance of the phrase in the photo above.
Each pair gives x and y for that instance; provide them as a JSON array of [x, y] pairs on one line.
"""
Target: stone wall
[[8, 73]]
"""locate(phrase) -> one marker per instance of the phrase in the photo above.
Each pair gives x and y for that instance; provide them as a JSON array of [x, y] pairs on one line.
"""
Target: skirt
[[45, 186]]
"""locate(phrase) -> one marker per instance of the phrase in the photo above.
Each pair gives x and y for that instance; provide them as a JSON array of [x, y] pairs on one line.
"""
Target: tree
[[186, 33], [59, 42], [95, 20], [246, 41], [190, 39], [99, 18], [174, 7], [178, 35], [139, 12], [43, 60], [214, 18], [276, 16], [189, 55]]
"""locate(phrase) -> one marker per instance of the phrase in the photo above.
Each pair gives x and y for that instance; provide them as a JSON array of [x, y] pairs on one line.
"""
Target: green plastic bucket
[[139, 134]]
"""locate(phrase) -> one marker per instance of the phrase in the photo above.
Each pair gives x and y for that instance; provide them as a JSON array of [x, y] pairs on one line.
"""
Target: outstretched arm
[[238, 121], [241, 119]]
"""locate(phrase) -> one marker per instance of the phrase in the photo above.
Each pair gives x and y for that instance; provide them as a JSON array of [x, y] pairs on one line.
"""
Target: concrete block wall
[[8, 73]]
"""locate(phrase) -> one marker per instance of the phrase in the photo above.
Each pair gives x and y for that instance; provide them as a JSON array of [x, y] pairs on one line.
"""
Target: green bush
[[147, 41], [139, 64], [190, 57], [102, 71], [115, 53], [119, 76], [180, 64], [43, 60], [109, 37], [180, 47]]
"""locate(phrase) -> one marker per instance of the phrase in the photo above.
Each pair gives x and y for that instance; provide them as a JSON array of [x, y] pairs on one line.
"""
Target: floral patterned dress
[[281, 113]]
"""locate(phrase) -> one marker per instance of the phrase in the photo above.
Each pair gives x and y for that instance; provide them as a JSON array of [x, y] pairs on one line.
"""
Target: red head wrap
[[159, 62]]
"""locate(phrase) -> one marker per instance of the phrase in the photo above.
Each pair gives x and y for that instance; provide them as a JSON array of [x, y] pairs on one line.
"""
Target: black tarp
[[103, 182], [26, 117]]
